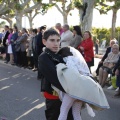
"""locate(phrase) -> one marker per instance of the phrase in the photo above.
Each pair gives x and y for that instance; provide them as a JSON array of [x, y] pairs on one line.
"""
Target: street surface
[[20, 97]]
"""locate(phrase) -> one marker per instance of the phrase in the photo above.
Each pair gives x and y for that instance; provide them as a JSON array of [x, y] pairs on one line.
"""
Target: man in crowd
[[5, 37], [66, 36], [59, 28]]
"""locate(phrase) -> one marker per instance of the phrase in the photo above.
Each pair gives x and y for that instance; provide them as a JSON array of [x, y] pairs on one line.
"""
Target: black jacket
[[5, 38], [106, 53], [117, 66], [47, 67], [39, 44]]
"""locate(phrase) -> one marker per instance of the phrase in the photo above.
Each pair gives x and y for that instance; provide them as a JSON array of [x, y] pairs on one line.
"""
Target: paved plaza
[[20, 97]]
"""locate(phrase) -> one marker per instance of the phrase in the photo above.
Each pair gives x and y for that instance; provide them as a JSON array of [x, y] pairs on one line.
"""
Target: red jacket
[[88, 49]]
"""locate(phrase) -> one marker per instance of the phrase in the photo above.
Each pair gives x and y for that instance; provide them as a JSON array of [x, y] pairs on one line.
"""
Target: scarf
[[55, 57]]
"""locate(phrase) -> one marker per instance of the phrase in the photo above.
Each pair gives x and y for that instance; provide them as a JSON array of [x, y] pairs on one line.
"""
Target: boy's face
[[52, 43]]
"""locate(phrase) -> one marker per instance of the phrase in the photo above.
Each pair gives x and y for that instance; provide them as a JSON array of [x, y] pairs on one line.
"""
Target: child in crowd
[[80, 88], [109, 64]]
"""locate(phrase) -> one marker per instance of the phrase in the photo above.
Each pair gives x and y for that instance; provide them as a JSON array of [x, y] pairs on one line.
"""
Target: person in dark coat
[[108, 50], [96, 46], [5, 36], [47, 62], [40, 45], [35, 49], [117, 73], [13, 39]]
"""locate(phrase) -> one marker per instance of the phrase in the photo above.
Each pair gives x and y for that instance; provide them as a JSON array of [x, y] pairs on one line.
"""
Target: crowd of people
[[22, 47], [41, 50]]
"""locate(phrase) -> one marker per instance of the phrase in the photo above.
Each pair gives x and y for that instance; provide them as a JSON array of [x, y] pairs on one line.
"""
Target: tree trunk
[[65, 21], [19, 16], [30, 22], [114, 17], [87, 15]]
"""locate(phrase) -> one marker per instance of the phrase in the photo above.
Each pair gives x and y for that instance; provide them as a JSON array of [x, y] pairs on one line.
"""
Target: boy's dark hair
[[65, 51], [50, 32], [34, 31]]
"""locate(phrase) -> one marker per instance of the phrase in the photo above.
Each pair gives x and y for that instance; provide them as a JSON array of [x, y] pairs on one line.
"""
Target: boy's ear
[[44, 41]]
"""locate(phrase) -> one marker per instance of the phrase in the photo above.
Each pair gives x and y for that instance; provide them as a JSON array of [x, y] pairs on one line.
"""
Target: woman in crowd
[[109, 64], [108, 50], [10, 51], [18, 50], [86, 48], [23, 42], [29, 50], [77, 38], [13, 39]]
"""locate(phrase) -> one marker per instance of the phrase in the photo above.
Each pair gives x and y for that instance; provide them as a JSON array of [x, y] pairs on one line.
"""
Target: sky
[[53, 16]]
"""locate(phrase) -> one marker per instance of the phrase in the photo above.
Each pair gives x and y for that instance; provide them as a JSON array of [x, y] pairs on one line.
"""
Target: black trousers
[[24, 61], [18, 58], [35, 57], [30, 61], [53, 110]]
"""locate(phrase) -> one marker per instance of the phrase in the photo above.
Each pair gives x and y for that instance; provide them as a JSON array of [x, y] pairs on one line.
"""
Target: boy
[[47, 62]]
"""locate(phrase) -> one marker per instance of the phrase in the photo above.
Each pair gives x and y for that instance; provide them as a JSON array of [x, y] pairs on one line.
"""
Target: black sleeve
[[39, 44], [106, 54], [5, 38], [48, 69]]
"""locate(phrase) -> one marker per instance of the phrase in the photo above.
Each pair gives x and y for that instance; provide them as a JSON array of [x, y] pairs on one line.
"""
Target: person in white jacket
[[66, 36]]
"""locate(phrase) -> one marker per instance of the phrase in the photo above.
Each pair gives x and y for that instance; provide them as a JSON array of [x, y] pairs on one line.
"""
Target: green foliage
[[2, 24], [45, 7], [18, 6], [78, 4], [104, 34]]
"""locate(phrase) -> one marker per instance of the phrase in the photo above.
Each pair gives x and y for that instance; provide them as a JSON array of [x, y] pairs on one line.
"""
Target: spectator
[[39, 44], [5, 36], [109, 49], [77, 38], [13, 39], [29, 50], [18, 50], [86, 48], [96, 46], [23, 42], [66, 36], [10, 51], [108, 64], [59, 28], [117, 73], [34, 49]]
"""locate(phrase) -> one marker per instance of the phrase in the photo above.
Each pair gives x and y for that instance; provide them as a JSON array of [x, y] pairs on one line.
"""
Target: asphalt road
[[20, 97]]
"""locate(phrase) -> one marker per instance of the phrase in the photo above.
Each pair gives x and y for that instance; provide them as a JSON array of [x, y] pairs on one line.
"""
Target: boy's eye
[[58, 40], [52, 40]]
